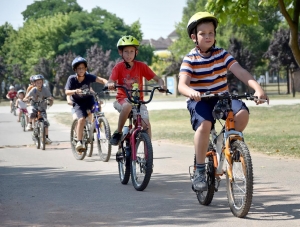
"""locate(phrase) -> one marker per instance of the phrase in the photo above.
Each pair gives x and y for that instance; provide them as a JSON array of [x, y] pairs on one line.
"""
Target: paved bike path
[[51, 188]]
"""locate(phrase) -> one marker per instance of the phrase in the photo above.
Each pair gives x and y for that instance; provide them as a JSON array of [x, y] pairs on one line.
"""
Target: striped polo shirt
[[207, 73]]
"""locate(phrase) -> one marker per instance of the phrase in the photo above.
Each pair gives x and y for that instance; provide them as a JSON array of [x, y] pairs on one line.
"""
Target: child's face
[[128, 53], [21, 95], [81, 69], [205, 35], [39, 83]]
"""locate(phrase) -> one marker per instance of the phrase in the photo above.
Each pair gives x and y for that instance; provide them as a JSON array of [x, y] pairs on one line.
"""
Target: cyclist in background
[[126, 73], [31, 85], [39, 93], [11, 95], [82, 104], [204, 69], [21, 105]]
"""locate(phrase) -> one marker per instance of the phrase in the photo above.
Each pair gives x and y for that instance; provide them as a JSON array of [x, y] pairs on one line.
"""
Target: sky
[[157, 17]]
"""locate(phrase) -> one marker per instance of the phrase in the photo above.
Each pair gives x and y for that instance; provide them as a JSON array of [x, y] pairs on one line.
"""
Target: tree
[[63, 70], [98, 60], [2, 72], [246, 12], [45, 8], [45, 67]]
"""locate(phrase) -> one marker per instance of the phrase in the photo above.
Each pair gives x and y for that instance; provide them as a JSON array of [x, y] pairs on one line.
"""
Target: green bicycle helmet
[[127, 40], [197, 18]]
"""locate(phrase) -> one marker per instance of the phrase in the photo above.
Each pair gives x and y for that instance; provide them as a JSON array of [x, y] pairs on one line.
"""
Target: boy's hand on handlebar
[[111, 86], [195, 95], [78, 91], [261, 97]]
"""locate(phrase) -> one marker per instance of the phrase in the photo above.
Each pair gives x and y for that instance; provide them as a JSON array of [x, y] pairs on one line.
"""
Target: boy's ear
[[120, 52], [193, 37], [136, 52]]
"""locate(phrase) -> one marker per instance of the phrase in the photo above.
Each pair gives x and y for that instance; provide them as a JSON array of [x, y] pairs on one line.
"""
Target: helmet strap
[[127, 65]]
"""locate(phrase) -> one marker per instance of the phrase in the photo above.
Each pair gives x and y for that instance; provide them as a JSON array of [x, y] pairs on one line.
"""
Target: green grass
[[271, 130]]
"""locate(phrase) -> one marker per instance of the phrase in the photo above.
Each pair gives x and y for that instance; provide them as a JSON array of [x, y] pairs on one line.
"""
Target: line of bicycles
[[227, 153]]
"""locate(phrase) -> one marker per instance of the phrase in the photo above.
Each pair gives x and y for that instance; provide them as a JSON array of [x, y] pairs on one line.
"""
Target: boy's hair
[[200, 17]]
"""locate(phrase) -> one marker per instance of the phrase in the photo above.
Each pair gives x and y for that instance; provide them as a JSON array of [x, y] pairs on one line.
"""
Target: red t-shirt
[[127, 77], [12, 94]]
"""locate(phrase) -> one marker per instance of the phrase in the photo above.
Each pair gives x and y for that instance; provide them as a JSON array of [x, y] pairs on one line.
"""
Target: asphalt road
[[51, 188]]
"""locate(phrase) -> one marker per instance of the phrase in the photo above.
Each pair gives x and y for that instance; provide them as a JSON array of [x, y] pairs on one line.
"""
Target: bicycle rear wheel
[[42, 135], [123, 158], [104, 147], [205, 197], [23, 122], [36, 135], [89, 127], [142, 167], [73, 139], [240, 189]]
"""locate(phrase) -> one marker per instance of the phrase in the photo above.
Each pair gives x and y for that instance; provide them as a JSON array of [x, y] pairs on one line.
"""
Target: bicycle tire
[[103, 144], [14, 110], [90, 143], [143, 166], [42, 135], [240, 197], [123, 160], [37, 137], [205, 197], [77, 155], [23, 122]]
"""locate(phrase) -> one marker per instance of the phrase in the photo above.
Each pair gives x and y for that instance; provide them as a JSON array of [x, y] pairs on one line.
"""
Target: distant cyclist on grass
[[204, 69], [82, 103], [126, 73]]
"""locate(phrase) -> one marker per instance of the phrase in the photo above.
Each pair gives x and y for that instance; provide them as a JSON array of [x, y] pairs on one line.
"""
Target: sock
[[200, 167]]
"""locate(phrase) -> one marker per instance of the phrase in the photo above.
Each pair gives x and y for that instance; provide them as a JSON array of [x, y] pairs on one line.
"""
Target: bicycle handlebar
[[137, 90], [226, 95]]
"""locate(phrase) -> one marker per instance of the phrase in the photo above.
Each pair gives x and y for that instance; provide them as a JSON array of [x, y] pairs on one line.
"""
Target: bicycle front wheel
[[142, 167], [14, 110], [102, 138], [42, 135], [89, 127], [240, 188], [37, 137], [73, 139]]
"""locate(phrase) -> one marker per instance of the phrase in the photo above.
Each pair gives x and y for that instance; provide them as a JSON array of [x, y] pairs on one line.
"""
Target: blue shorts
[[202, 110], [81, 108]]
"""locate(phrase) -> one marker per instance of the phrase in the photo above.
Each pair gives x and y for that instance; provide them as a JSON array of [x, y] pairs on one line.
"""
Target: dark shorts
[[81, 108], [202, 110]]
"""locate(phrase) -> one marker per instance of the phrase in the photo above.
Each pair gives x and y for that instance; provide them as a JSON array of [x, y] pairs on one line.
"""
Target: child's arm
[[160, 82], [244, 76], [7, 96], [184, 89], [17, 103], [101, 80]]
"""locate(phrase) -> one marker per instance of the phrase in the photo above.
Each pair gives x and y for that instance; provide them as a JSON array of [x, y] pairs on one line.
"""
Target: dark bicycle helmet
[[38, 77], [77, 61]]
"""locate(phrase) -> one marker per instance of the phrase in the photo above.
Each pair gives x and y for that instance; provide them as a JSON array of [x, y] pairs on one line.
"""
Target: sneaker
[[115, 139], [79, 147], [199, 181], [29, 127], [48, 141]]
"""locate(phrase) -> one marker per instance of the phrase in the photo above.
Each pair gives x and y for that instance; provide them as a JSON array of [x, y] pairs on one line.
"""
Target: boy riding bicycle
[[81, 103], [36, 94], [204, 69], [126, 73], [11, 95]]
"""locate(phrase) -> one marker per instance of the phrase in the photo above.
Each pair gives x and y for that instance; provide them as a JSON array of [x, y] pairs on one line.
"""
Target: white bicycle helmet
[[11, 87], [21, 91]]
